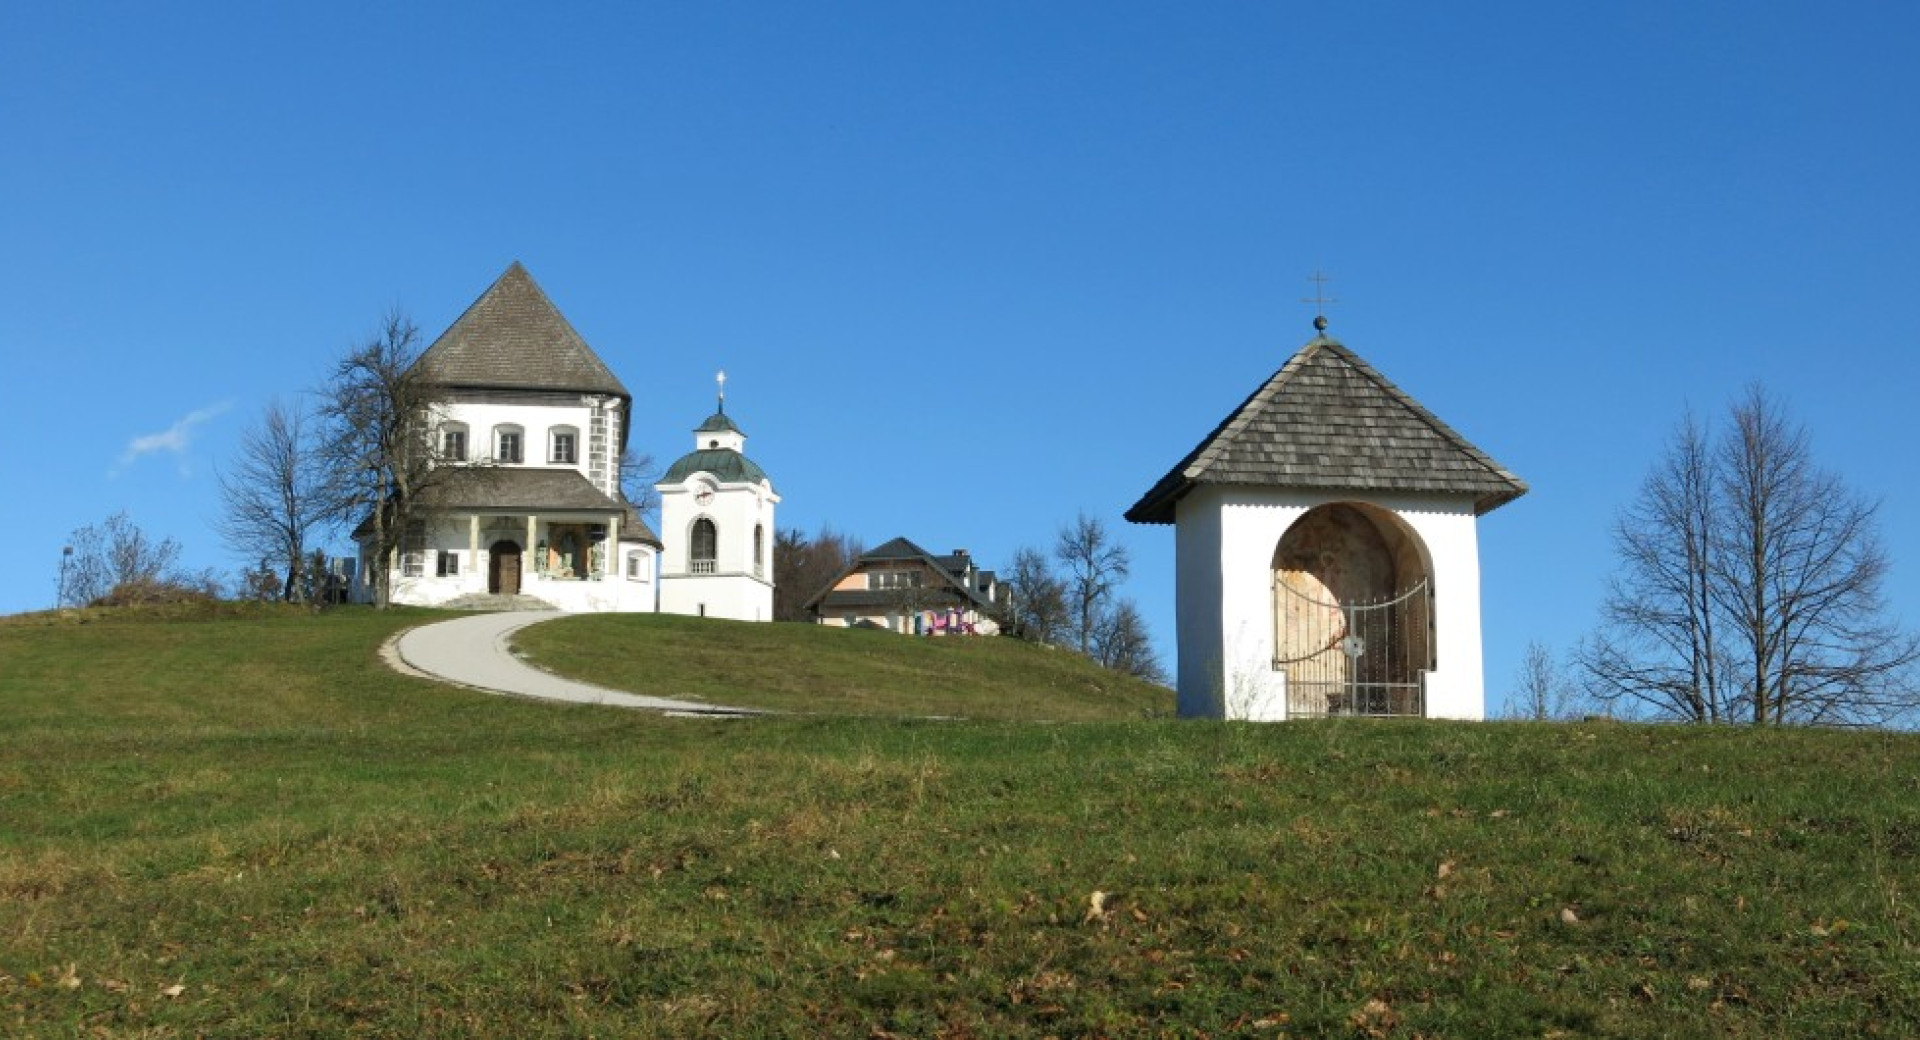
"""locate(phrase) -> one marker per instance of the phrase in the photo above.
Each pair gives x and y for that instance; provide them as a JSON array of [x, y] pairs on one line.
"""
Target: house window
[[894, 579], [453, 443], [508, 444], [565, 448], [759, 549], [449, 564], [706, 541], [637, 567]]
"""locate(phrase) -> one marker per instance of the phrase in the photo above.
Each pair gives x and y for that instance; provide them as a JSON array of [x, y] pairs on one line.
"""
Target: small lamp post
[[66, 560]]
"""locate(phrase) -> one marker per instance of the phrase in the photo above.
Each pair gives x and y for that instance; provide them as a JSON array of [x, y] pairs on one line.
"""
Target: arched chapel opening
[[1353, 612]]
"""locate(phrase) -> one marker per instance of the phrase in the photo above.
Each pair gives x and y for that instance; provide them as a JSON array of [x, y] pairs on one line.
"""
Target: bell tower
[[717, 520]]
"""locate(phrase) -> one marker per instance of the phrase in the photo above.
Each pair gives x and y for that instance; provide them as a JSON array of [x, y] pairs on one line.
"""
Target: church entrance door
[[503, 568]]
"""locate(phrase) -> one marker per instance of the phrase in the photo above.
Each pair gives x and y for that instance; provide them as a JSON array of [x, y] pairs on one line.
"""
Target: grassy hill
[[249, 827], [836, 671]]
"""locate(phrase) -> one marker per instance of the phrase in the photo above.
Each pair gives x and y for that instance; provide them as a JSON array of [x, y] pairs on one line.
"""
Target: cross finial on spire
[[722, 380], [1319, 299]]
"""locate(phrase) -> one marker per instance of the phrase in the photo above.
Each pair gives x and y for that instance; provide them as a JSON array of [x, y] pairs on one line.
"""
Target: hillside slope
[[836, 671], [253, 828]]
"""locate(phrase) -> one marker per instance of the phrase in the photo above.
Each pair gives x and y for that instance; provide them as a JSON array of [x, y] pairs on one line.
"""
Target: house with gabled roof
[[903, 588], [535, 424], [1326, 550]]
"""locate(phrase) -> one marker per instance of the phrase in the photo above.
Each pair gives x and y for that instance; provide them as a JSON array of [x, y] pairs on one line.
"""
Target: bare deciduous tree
[[1542, 691], [1038, 608], [378, 414], [1121, 642], [115, 562], [638, 472], [1750, 587], [273, 497], [803, 566], [1095, 566]]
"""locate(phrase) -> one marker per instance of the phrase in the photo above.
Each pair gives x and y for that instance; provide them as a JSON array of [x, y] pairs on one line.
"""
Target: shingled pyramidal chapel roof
[[1328, 420]]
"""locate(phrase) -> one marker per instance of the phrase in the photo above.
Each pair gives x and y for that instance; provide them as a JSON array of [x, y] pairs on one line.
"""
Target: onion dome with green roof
[[718, 449], [726, 465]]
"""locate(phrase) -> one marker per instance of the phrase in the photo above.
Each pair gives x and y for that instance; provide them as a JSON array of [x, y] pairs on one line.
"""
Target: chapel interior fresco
[[1353, 612]]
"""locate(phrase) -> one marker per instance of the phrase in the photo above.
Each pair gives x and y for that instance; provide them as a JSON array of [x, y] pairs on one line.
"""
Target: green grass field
[[248, 827], [837, 671]]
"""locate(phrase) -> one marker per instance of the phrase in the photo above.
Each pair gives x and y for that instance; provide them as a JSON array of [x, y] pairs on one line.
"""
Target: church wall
[[734, 596], [454, 533], [1225, 544], [734, 590], [481, 418]]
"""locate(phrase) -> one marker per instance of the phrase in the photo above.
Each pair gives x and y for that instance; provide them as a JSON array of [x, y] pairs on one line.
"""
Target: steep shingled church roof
[[514, 338], [1328, 420]]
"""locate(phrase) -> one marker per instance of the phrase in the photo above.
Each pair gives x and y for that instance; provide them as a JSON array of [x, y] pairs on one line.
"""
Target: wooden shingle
[[514, 338], [1329, 420]]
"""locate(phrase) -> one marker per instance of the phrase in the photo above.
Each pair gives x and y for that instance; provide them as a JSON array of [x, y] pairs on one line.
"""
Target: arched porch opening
[[1353, 612]]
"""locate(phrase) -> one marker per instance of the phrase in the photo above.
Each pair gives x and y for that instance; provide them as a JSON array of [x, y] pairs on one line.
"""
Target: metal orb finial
[[1319, 299]]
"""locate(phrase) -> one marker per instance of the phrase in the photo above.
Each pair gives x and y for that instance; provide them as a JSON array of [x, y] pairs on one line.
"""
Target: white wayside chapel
[[1326, 554], [716, 506]]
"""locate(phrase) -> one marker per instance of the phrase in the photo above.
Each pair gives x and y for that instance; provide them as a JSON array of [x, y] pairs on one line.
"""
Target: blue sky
[[973, 268]]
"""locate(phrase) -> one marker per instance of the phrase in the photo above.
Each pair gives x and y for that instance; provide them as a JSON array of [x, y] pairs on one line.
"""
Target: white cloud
[[175, 439]]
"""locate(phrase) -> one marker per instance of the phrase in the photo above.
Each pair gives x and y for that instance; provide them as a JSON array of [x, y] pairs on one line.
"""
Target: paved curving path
[[473, 651]]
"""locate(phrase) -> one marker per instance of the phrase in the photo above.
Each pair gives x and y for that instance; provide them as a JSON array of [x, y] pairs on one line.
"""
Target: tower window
[[705, 542]]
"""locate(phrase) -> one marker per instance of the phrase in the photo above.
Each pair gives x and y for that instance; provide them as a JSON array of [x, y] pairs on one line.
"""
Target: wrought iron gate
[[1358, 658]]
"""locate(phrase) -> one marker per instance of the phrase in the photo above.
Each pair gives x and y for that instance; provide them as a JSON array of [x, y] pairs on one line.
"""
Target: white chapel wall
[[1225, 543]]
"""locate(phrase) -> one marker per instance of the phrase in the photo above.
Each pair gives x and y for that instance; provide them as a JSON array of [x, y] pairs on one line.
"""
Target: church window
[[453, 442], [413, 549], [565, 448], [706, 542], [637, 567], [449, 564], [508, 444], [759, 549]]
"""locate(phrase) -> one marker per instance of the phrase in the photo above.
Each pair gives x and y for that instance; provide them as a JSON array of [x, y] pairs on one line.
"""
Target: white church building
[[535, 425], [1326, 553]]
